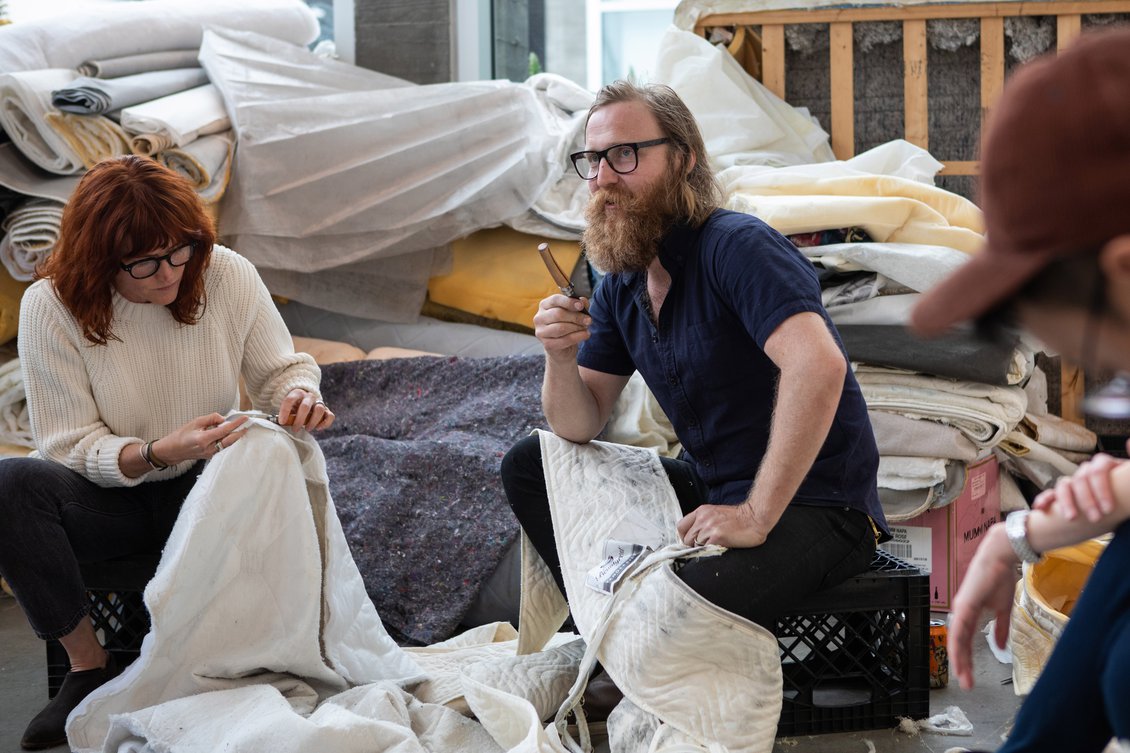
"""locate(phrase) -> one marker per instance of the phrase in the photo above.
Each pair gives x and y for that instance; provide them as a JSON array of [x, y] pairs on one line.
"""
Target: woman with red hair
[[132, 344]]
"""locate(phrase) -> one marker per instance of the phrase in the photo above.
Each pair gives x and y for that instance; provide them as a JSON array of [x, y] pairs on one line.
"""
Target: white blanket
[[255, 585], [601, 491], [94, 96]]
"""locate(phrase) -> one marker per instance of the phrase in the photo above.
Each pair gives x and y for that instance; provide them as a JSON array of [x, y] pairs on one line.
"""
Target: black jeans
[[1082, 698], [52, 519], [810, 548]]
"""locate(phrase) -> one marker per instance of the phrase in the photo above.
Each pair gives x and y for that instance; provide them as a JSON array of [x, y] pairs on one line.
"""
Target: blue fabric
[[733, 282]]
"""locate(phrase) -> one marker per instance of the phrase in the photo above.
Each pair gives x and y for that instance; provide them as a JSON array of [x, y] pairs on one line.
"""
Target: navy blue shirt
[[733, 282]]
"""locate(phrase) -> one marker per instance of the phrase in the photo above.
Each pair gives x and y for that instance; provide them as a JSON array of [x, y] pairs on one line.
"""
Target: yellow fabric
[[498, 274], [11, 291], [892, 210], [1044, 600]]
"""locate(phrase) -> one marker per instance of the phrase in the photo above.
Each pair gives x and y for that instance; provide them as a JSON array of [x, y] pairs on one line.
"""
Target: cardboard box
[[942, 541]]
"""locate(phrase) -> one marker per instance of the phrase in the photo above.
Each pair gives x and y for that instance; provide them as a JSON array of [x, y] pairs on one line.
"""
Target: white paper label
[[911, 544], [619, 556]]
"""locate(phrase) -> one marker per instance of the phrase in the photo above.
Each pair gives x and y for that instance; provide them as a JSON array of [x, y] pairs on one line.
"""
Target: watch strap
[[1016, 528]]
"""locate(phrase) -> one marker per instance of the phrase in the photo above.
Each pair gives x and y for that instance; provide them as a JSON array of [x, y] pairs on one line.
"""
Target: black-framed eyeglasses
[[622, 158], [148, 266]]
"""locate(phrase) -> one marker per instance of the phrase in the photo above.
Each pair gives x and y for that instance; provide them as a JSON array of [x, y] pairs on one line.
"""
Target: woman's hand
[[1088, 491], [304, 410], [199, 439], [989, 584]]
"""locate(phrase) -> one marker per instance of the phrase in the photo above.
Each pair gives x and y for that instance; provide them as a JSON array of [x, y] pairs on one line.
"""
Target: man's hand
[[1087, 491], [561, 323], [989, 584], [731, 526]]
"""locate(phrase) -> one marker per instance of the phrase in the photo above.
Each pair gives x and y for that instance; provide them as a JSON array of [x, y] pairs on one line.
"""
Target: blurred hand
[[562, 323], [304, 410], [1087, 492], [989, 583]]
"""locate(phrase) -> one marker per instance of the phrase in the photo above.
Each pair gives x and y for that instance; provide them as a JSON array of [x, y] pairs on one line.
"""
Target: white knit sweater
[[88, 401]]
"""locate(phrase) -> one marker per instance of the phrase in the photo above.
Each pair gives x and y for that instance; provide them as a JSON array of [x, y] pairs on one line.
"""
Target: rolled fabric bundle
[[91, 137], [32, 231], [15, 425], [145, 62], [94, 96], [175, 120], [98, 30], [25, 98], [919, 437], [206, 162]]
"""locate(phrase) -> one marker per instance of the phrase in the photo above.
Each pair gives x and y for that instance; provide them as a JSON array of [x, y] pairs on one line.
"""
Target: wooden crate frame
[[916, 110]]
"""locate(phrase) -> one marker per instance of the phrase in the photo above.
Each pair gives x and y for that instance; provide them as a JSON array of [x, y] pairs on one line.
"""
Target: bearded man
[[722, 317]]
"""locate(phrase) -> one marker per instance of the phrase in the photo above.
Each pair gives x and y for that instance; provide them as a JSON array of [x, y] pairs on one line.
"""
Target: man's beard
[[627, 238]]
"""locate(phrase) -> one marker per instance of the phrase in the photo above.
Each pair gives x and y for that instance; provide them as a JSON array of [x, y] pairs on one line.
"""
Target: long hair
[[123, 207], [698, 193]]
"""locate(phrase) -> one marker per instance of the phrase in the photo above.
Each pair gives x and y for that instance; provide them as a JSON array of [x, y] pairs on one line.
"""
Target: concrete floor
[[990, 706]]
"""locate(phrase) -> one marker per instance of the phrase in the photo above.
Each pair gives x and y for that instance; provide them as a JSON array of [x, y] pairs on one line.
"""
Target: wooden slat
[[773, 58], [843, 92], [992, 64], [1071, 388], [913, 12], [1067, 28], [958, 167], [916, 105]]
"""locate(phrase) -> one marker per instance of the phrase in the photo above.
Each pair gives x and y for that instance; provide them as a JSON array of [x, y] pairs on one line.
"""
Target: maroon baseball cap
[[1055, 176]]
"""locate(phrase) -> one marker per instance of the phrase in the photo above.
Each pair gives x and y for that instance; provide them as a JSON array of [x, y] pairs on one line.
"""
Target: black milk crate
[[856, 656], [117, 611]]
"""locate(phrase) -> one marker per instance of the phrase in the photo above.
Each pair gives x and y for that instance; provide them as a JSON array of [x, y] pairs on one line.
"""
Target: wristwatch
[[1016, 528]]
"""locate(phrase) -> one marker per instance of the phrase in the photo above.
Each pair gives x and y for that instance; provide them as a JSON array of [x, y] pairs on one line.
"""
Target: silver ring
[[219, 445], [697, 542], [319, 402]]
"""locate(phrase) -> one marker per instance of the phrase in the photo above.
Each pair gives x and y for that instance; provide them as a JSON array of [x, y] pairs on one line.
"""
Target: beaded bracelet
[[154, 462]]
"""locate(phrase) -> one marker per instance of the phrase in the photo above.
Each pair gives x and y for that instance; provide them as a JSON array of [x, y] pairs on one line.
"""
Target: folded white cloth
[[984, 413], [1059, 434], [94, 96], [25, 98], [31, 232], [15, 424], [896, 434], [106, 30], [1040, 464], [205, 162], [900, 472], [128, 65], [175, 120]]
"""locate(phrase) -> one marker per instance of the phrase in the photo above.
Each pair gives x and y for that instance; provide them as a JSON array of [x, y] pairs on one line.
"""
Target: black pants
[[52, 518], [810, 548]]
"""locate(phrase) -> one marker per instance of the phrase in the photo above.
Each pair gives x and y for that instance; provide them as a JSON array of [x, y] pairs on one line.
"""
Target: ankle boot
[[48, 728]]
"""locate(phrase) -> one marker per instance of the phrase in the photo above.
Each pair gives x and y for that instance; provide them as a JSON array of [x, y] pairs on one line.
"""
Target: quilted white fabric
[[256, 578], [655, 637]]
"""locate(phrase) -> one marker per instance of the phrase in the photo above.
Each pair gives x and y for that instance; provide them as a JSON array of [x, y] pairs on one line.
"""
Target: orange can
[[939, 655]]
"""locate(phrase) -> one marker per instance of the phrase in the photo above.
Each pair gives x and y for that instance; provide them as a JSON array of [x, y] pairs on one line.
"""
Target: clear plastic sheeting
[[110, 30], [340, 166]]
